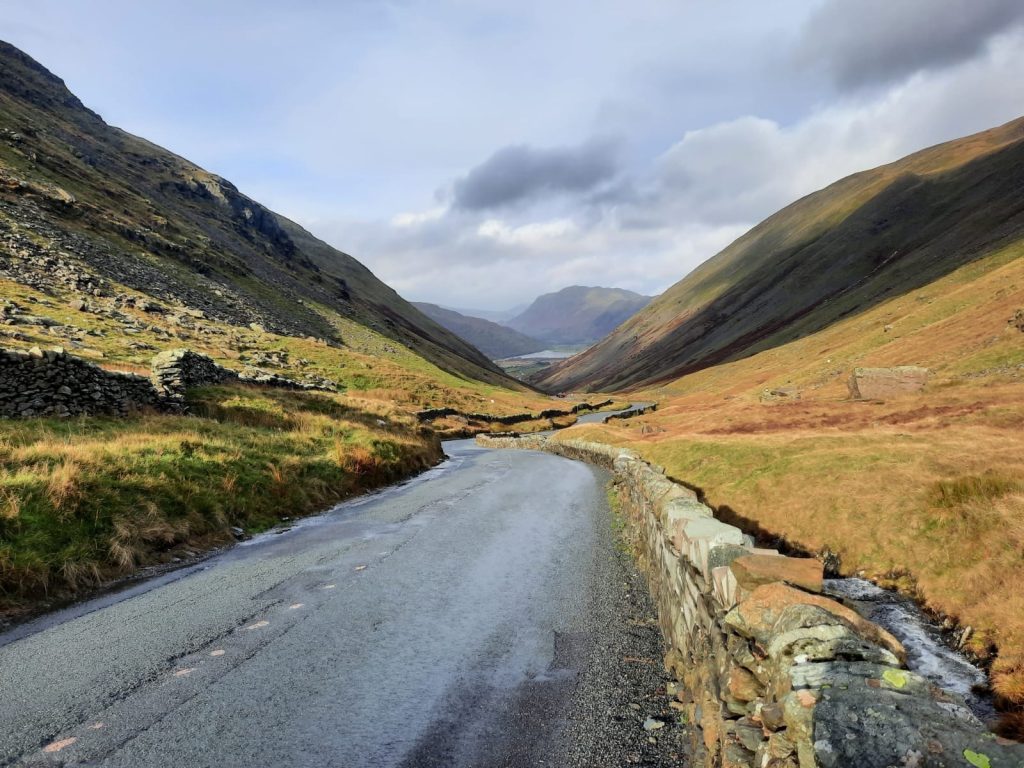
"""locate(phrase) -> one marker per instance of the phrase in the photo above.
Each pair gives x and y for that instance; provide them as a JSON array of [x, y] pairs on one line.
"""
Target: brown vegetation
[[923, 491]]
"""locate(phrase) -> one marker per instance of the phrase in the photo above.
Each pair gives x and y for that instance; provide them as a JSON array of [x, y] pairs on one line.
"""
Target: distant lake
[[548, 354]]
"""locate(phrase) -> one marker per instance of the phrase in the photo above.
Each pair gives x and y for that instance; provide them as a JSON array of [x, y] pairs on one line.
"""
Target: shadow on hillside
[[916, 231]]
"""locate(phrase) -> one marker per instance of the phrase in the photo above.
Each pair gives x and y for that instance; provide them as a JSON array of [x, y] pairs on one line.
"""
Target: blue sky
[[479, 153]]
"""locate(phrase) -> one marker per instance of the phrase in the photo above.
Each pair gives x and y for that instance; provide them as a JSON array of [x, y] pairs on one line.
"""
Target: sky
[[477, 153]]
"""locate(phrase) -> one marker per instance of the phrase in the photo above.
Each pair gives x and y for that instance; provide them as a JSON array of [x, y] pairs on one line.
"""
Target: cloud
[[647, 228], [743, 170], [864, 42], [521, 173]]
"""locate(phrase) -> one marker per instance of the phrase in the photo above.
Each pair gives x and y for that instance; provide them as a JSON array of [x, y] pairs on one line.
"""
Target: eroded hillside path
[[479, 615]]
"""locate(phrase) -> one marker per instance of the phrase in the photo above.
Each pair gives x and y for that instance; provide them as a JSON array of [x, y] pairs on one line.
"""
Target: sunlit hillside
[[926, 490]]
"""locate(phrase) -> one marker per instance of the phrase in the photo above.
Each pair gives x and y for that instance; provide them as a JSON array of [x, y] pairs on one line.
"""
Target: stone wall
[[774, 674], [178, 370], [651, 408], [54, 383], [516, 418], [883, 383]]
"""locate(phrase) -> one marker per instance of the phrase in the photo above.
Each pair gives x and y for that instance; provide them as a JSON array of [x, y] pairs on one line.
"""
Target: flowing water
[[927, 651]]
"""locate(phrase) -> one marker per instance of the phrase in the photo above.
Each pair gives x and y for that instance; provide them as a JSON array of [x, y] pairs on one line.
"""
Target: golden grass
[[86, 500], [925, 492]]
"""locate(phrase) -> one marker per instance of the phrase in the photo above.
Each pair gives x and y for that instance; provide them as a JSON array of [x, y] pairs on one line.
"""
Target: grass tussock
[[84, 501]]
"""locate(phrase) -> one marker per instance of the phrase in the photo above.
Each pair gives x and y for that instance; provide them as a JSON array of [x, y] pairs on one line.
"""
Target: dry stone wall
[[178, 370], [774, 674], [517, 418], [54, 383]]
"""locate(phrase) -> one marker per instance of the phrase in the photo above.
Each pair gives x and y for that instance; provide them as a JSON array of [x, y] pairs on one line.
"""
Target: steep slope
[[495, 341], [865, 239], [578, 315], [152, 221], [923, 491]]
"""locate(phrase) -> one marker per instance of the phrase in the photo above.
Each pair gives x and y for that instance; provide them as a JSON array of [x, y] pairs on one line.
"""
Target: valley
[[258, 507], [115, 251]]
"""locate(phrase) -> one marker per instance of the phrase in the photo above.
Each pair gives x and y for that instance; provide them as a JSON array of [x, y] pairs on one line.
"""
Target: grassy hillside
[[925, 491], [115, 250], [141, 216], [495, 341], [857, 243], [577, 315]]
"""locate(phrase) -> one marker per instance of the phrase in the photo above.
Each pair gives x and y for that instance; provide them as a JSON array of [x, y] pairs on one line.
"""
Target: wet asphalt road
[[444, 622]]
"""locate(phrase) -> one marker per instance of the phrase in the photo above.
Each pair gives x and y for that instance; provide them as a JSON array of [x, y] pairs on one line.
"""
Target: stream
[[927, 651]]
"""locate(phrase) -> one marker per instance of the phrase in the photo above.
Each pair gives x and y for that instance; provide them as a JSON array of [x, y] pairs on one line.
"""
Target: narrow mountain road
[[478, 615]]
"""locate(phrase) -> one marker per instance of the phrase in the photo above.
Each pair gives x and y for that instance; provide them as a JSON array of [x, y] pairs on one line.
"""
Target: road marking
[[184, 672], [218, 652], [57, 746], [259, 625], [97, 726], [328, 586], [360, 567], [295, 606]]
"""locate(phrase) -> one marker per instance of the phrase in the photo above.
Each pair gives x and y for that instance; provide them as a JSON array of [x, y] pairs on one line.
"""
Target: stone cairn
[[773, 673]]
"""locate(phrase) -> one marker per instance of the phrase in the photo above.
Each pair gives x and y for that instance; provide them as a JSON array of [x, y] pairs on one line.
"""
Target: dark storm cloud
[[521, 173], [863, 42]]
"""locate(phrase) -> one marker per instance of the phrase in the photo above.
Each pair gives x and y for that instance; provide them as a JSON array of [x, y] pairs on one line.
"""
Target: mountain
[[863, 240], [495, 341], [578, 315], [494, 315], [145, 218]]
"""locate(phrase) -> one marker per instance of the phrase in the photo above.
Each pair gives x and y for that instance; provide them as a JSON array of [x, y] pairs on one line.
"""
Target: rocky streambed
[[928, 652]]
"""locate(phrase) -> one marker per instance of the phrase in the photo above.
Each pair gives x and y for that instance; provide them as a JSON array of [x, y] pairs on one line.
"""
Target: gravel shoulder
[[623, 684]]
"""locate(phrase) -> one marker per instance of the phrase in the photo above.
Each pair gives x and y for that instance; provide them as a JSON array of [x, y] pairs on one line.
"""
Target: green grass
[[83, 501]]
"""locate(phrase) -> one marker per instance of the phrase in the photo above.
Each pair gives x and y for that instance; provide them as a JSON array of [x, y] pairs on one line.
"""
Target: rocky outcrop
[[882, 383], [54, 383], [1017, 321], [774, 674]]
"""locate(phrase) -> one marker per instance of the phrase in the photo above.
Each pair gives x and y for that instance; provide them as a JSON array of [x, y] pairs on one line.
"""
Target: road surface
[[456, 620]]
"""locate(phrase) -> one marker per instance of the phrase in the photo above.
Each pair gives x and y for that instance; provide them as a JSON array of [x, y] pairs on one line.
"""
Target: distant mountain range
[[835, 253], [573, 317], [494, 315], [494, 340], [578, 314]]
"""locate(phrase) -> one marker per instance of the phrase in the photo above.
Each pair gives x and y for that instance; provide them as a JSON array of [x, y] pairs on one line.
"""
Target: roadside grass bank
[[86, 501]]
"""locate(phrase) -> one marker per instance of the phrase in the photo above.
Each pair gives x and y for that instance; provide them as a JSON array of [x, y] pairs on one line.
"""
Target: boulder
[[751, 571], [867, 726], [756, 616], [881, 383]]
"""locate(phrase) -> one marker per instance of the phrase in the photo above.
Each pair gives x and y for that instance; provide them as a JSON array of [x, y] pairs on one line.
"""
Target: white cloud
[[533, 234], [714, 126], [415, 218], [692, 200]]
